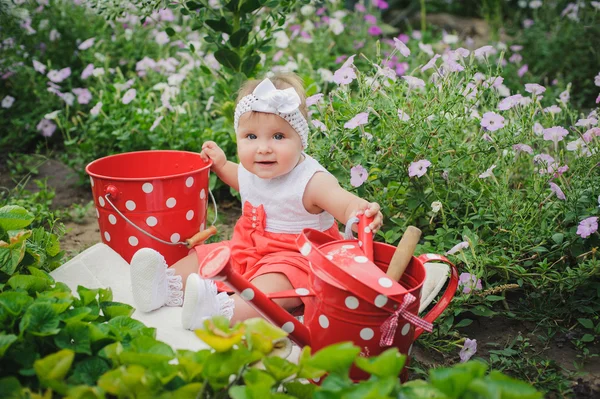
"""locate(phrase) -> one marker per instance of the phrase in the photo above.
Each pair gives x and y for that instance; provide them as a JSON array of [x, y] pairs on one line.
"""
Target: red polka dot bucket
[[153, 199]]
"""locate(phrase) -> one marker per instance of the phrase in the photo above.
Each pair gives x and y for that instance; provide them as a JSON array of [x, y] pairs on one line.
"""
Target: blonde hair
[[281, 81]]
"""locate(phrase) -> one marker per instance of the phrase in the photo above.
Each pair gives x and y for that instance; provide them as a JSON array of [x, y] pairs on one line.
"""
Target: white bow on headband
[[271, 99]]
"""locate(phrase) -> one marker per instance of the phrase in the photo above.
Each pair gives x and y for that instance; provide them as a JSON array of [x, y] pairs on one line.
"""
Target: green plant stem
[[423, 16]]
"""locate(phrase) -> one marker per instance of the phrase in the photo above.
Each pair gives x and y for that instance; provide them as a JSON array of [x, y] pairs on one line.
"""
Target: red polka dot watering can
[[349, 297], [153, 199]]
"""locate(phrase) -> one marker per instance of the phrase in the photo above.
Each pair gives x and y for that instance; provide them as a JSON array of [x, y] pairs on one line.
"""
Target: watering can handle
[[444, 301], [365, 235]]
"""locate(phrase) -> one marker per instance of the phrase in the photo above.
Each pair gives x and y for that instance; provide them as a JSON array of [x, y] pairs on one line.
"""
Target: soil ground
[[490, 333]]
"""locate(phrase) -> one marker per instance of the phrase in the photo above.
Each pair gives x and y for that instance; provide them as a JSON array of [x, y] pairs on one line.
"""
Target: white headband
[[284, 103]]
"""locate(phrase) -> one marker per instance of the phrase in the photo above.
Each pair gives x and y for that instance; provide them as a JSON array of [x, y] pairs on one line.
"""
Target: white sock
[[201, 301], [153, 284]]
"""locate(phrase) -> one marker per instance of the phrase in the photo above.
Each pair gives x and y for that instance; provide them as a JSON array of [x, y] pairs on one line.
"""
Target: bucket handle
[[448, 294], [189, 243]]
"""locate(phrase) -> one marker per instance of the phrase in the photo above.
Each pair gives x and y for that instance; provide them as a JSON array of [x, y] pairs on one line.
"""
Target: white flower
[[413, 82], [535, 4], [7, 102], [326, 74], [129, 96], [426, 48], [39, 67], [156, 123], [436, 206], [68, 98], [87, 44], [403, 116], [488, 173], [281, 39], [336, 26], [401, 47], [162, 38], [307, 10], [52, 115], [458, 247], [98, 72], [96, 110]]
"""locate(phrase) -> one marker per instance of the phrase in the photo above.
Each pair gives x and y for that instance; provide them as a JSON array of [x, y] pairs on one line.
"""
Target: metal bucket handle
[[112, 191]]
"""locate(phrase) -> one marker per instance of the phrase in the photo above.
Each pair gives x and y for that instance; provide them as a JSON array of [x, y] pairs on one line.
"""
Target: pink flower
[[403, 116], [431, 63], [484, 51], [587, 122], [492, 121], [39, 67], [590, 134], [587, 227], [413, 82], [374, 30], [156, 123], [381, 4], [555, 133], [527, 23], [401, 68], [87, 72], [96, 109], [370, 19], [534, 88], [59, 76], [509, 102], [401, 47], [487, 137], [418, 168], [319, 125], [458, 247], [46, 127], [553, 109], [359, 7], [523, 148], [312, 100], [87, 44], [469, 282], [129, 96], [83, 95], [359, 119], [523, 70], [468, 350], [556, 190], [344, 76], [358, 175]]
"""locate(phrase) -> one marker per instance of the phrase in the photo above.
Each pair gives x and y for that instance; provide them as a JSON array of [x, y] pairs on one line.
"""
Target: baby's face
[[267, 145]]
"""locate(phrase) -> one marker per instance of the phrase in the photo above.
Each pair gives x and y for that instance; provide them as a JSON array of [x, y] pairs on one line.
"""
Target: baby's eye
[[279, 136], [251, 136]]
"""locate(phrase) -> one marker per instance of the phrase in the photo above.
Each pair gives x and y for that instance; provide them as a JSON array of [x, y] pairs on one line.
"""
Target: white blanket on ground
[[101, 267]]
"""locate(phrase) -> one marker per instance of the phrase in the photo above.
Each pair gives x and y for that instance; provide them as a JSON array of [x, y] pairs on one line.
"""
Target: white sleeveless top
[[281, 198]]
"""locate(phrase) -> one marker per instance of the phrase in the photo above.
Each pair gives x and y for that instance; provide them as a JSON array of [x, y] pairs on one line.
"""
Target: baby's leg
[[267, 283]]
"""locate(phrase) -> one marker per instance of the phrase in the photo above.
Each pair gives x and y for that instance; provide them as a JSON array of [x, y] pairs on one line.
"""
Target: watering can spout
[[217, 266]]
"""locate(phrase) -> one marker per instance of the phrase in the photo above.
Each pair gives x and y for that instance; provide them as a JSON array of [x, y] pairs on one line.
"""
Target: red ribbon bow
[[388, 328]]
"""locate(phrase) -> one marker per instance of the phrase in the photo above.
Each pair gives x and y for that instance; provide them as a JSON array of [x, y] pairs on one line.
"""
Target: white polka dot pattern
[[381, 300], [189, 182], [306, 248], [175, 237], [361, 259], [202, 194], [302, 291], [171, 202], [247, 294], [147, 188], [351, 302], [385, 282], [405, 329], [97, 213], [288, 327], [323, 321], [189, 215], [130, 205], [101, 201], [107, 236], [367, 334], [133, 241], [347, 246], [151, 221], [91, 181], [112, 219]]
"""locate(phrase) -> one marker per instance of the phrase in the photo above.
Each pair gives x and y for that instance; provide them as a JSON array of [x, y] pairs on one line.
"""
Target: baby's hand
[[210, 150], [372, 209]]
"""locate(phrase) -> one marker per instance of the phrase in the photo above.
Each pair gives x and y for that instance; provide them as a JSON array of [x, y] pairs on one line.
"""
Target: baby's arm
[[225, 170], [323, 192]]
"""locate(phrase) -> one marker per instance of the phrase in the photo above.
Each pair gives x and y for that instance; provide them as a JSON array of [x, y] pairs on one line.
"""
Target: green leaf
[[170, 31], [41, 273], [463, 323], [239, 38], [189, 391], [258, 378], [219, 25], [300, 390], [588, 338], [13, 217], [307, 370], [279, 368], [128, 382], [250, 64], [40, 319], [85, 392], [228, 58], [14, 302], [123, 327], [494, 298], [88, 370], [587, 323], [335, 358], [193, 5], [232, 5], [114, 309], [11, 254], [453, 381], [55, 366], [420, 389], [28, 283], [387, 364], [10, 388], [76, 337], [147, 351], [249, 6], [184, 11], [558, 238], [497, 385], [76, 314], [6, 340]]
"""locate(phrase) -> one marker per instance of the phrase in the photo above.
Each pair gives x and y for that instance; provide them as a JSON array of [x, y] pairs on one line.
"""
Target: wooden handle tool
[[404, 252], [201, 237]]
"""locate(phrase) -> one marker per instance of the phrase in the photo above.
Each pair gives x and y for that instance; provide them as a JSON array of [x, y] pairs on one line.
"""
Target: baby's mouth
[[266, 163]]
